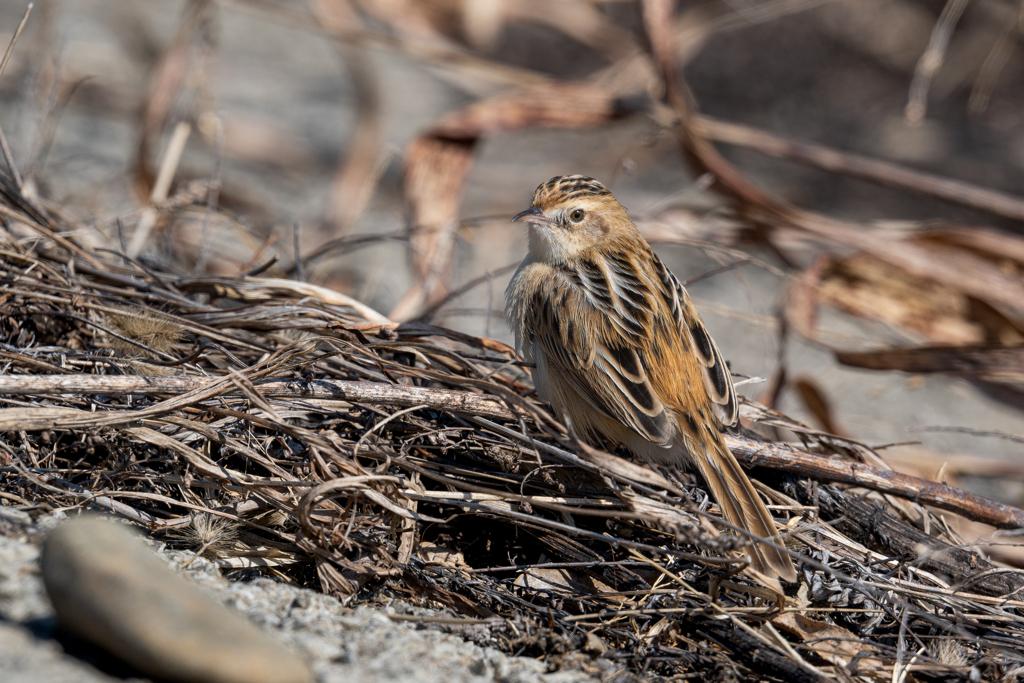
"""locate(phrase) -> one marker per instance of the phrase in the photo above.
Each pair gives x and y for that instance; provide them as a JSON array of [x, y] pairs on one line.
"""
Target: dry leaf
[[867, 287], [818, 404], [433, 554], [561, 580], [832, 643]]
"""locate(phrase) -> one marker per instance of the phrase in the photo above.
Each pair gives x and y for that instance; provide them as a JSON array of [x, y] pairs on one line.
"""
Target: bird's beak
[[532, 215]]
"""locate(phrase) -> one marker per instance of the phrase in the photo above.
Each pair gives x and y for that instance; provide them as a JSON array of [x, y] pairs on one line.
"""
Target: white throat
[[545, 249]]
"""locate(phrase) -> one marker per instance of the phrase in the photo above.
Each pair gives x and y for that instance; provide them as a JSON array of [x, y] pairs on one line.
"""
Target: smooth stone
[[108, 588]]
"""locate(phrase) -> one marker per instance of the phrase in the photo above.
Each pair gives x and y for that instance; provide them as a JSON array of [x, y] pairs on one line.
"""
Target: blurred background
[[390, 141]]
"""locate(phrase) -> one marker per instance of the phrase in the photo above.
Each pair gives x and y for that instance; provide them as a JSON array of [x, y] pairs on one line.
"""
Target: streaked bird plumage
[[621, 351]]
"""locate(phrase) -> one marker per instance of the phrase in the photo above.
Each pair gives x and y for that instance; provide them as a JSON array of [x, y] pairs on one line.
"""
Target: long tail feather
[[741, 505]]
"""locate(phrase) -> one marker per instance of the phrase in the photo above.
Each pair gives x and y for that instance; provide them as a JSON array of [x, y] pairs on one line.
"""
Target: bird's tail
[[740, 504]]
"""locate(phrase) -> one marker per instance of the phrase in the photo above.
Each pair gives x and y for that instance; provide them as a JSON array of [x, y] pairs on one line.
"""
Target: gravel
[[341, 644]]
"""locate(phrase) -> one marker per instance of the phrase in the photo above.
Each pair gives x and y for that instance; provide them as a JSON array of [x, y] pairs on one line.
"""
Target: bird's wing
[[601, 364], [717, 377]]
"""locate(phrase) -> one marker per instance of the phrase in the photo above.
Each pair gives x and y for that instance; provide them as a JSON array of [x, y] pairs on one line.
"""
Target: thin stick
[[339, 390], [715, 271], [161, 187], [919, 490], [425, 315], [866, 168], [352, 242], [14, 40], [249, 267], [300, 273], [10, 160], [931, 60], [48, 128], [121, 239], [968, 430], [212, 194], [993, 65], [3, 65]]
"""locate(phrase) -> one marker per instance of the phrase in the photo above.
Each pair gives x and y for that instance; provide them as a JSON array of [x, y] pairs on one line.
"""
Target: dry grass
[[429, 490]]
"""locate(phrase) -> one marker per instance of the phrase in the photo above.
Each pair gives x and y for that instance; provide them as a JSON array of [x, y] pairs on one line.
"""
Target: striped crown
[[565, 187]]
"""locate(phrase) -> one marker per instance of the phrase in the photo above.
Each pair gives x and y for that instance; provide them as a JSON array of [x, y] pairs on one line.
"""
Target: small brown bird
[[621, 351]]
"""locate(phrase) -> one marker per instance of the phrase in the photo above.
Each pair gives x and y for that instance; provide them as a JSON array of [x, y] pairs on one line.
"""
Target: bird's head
[[571, 215]]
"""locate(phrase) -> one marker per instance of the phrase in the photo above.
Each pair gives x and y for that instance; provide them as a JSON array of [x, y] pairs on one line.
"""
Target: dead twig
[[878, 171], [3, 65], [837, 470], [333, 390]]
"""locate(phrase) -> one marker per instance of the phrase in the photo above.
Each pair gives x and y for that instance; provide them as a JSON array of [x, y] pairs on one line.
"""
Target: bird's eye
[[577, 215]]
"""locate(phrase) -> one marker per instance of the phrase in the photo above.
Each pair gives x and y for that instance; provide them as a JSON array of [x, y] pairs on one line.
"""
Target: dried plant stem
[[14, 39], [993, 65], [858, 166], [972, 274], [919, 490], [3, 65], [161, 187], [300, 273], [10, 160], [750, 452], [931, 60], [339, 390]]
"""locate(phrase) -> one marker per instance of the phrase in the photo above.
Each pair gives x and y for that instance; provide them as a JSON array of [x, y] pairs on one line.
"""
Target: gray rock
[[341, 644], [108, 588], [21, 599], [25, 659]]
